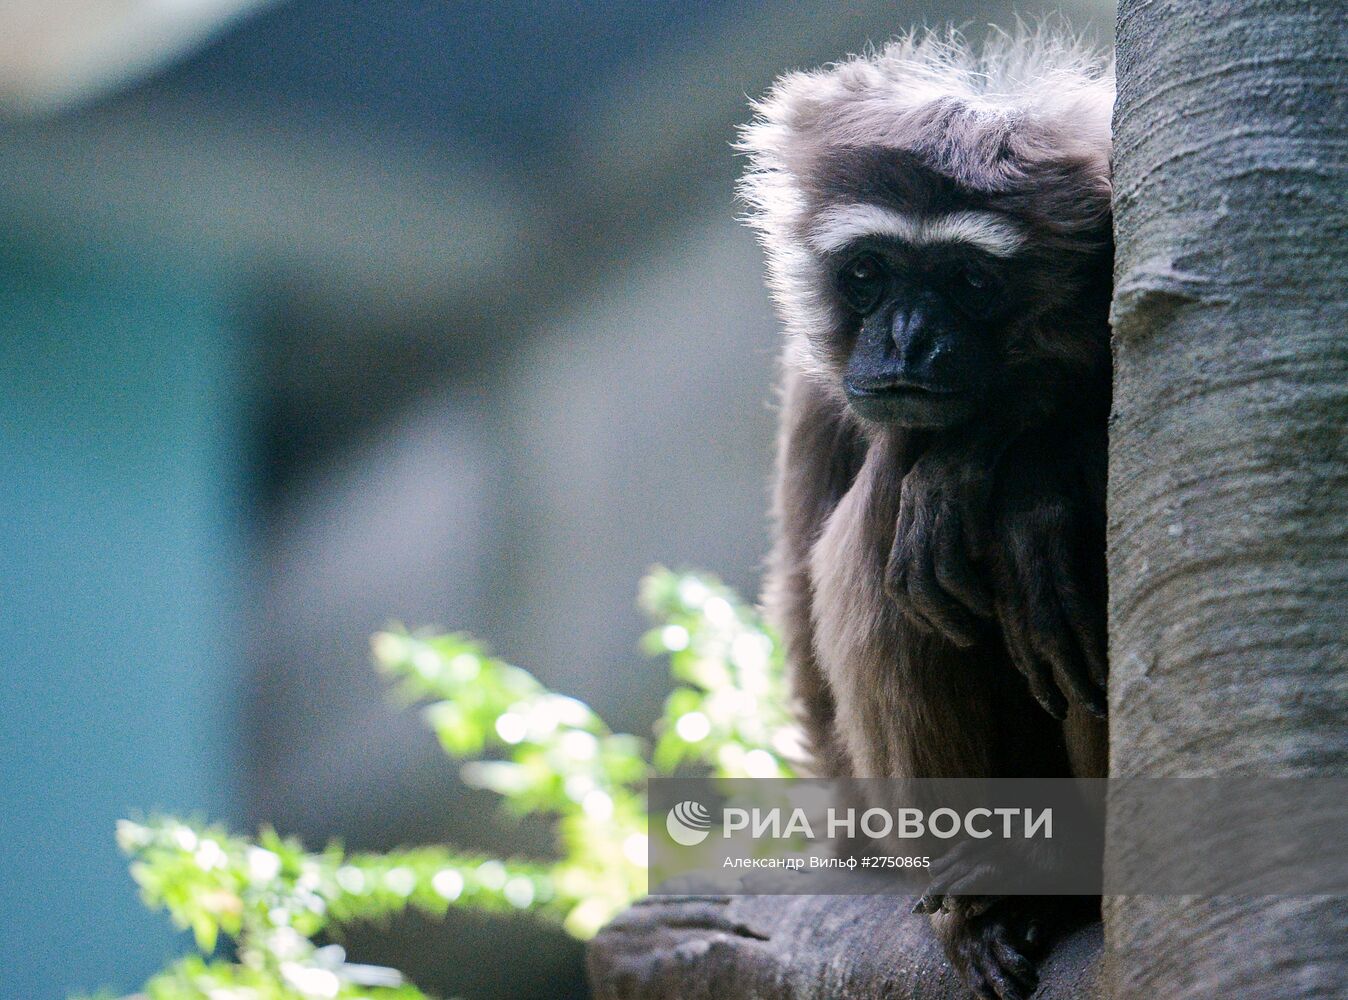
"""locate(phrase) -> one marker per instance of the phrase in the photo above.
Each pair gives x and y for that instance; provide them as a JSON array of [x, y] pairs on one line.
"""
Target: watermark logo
[[688, 823], [1227, 836]]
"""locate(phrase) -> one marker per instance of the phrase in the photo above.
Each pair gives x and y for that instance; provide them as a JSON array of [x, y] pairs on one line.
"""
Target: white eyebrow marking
[[836, 227]]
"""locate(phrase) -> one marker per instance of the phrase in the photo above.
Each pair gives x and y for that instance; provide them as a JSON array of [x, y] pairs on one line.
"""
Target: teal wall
[[120, 462]]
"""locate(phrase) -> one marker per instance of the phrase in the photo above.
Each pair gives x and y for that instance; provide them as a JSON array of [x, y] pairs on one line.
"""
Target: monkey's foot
[[996, 950]]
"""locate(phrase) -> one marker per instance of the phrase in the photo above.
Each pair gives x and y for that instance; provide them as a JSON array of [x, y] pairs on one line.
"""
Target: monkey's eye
[[973, 278], [863, 282]]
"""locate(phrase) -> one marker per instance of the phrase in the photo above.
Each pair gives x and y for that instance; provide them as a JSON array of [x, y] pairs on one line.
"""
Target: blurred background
[[324, 313]]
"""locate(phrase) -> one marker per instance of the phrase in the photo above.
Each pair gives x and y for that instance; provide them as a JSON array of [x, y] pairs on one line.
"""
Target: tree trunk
[[1228, 548]]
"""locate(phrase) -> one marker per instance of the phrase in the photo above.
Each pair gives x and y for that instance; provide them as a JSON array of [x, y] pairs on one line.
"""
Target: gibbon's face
[[928, 288], [928, 301]]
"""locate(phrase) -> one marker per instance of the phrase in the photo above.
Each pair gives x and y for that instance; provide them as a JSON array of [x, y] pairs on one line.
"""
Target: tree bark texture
[[1228, 532], [799, 948]]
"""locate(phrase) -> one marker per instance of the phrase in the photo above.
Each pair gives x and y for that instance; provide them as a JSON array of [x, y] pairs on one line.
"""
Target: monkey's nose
[[906, 330], [915, 345]]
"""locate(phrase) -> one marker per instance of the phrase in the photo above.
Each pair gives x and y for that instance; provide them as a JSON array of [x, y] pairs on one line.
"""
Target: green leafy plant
[[542, 752]]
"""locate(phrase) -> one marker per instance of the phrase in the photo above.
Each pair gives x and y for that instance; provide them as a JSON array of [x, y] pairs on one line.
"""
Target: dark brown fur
[[914, 704]]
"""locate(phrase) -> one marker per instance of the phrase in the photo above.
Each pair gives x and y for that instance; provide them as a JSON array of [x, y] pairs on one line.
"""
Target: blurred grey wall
[[642, 434]]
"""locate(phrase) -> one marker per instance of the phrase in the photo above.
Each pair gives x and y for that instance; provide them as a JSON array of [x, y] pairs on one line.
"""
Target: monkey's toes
[[959, 879], [965, 906], [995, 955]]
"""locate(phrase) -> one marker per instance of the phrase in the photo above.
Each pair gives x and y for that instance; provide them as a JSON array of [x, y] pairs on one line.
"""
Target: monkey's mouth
[[908, 404]]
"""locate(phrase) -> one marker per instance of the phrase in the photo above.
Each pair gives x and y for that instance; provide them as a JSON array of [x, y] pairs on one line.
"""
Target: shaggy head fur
[[1009, 145]]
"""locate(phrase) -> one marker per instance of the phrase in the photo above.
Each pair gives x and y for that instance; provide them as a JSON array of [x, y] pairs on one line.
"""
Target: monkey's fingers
[[940, 902], [931, 602], [1053, 639], [969, 905], [910, 582], [1034, 936], [990, 975], [950, 618], [961, 872], [928, 902], [973, 881], [978, 982], [1015, 964], [954, 570], [1037, 673], [1057, 644], [897, 572], [933, 900], [1088, 624], [1007, 945], [1070, 676]]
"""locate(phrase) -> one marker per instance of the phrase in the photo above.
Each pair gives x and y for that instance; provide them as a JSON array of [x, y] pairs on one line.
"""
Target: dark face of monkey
[[926, 342], [948, 301]]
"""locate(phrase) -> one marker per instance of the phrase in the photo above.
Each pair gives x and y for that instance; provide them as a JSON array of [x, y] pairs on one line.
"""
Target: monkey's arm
[[1003, 524], [818, 453], [942, 532], [1047, 565]]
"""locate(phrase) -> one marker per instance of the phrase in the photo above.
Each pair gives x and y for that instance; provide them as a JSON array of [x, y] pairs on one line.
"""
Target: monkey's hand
[[942, 531], [961, 878], [1046, 561], [994, 940]]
